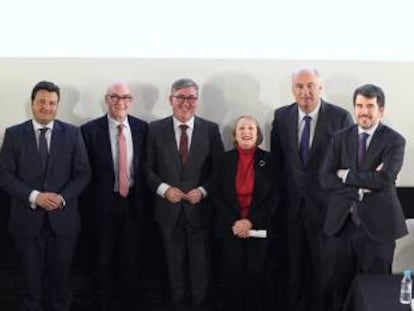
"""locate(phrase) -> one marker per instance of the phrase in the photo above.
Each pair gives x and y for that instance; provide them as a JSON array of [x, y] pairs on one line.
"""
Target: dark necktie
[[123, 187], [43, 150], [183, 149], [362, 146], [304, 142]]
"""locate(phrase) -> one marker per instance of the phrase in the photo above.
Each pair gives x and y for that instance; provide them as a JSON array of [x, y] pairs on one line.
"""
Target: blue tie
[[43, 150], [362, 146], [304, 141]]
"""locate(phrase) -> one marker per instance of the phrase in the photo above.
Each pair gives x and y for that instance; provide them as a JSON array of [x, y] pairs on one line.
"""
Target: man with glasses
[[299, 140], [115, 196], [180, 152]]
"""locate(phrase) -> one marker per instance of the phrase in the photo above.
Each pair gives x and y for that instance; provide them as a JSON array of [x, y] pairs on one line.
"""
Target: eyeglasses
[[116, 98], [181, 99], [308, 87]]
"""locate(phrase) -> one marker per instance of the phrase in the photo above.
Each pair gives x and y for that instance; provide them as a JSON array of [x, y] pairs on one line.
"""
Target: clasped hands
[[49, 201], [175, 195]]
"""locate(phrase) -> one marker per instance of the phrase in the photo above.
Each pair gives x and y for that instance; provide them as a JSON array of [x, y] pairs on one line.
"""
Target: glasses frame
[[181, 99], [116, 98]]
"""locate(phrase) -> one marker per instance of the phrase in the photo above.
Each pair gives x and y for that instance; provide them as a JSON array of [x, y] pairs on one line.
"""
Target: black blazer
[[265, 198], [68, 172], [100, 191], [381, 215], [164, 165], [302, 183]]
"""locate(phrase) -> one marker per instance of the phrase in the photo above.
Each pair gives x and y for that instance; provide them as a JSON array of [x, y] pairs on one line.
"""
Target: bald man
[[300, 135], [116, 196]]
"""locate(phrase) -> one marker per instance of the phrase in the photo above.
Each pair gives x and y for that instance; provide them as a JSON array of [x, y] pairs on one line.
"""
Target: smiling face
[[118, 98], [245, 133], [306, 88], [44, 106], [367, 111], [184, 103]]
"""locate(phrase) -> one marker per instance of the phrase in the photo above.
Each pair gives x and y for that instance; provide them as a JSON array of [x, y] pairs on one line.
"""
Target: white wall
[[229, 88]]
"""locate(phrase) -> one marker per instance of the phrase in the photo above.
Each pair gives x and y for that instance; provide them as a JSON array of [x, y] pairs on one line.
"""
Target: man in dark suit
[[180, 153], [299, 139], [116, 210], [44, 167], [364, 216]]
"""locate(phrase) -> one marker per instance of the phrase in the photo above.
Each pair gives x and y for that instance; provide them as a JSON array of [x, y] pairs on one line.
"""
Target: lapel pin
[[262, 163]]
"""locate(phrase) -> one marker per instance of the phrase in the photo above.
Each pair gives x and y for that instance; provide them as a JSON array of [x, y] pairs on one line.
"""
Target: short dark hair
[[371, 91], [183, 83], [47, 86], [259, 139]]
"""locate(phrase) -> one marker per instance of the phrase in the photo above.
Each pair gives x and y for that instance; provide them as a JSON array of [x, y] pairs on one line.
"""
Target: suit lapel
[[352, 146], [170, 140], [104, 142], [196, 136], [30, 143], [320, 129], [135, 133], [293, 133], [56, 141], [374, 145]]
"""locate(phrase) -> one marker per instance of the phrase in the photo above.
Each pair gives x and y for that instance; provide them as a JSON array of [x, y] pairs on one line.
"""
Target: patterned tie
[[123, 186], [304, 142], [362, 146], [43, 150], [183, 149]]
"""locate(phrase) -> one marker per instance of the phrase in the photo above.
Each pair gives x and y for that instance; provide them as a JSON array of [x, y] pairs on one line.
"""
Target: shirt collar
[[189, 123], [314, 114], [38, 126], [114, 123], [369, 131]]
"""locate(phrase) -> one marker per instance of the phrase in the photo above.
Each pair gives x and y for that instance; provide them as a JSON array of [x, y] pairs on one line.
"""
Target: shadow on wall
[[145, 97], [70, 98], [227, 96], [346, 85]]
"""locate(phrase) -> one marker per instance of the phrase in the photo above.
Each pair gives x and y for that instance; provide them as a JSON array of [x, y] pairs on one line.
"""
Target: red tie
[[183, 143], [123, 186]]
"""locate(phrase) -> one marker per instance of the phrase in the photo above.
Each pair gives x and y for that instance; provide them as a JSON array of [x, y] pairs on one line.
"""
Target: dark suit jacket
[[265, 193], [302, 183], [68, 173], [380, 211], [100, 191], [164, 165]]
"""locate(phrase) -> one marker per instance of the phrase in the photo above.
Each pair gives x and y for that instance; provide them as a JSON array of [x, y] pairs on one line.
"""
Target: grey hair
[[183, 83]]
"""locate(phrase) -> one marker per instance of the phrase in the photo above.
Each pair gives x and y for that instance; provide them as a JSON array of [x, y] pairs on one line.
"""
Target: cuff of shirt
[[162, 188], [345, 176], [63, 202], [32, 198], [203, 191]]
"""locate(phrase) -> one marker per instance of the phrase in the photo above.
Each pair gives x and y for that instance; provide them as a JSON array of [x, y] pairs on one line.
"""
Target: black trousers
[[116, 247], [348, 253], [243, 273], [304, 277], [46, 262], [187, 257]]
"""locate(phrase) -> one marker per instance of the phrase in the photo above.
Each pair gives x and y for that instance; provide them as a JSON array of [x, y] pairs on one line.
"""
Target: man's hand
[[174, 195], [193, 196], [49, 201]]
